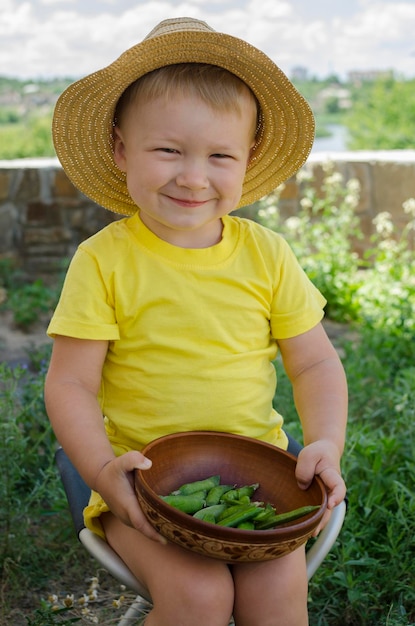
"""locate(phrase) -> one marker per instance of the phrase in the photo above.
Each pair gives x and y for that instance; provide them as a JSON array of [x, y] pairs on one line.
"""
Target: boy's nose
[[192, 175]]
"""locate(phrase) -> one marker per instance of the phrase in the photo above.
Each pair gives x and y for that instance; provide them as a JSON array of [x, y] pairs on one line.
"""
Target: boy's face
[[185, 164]]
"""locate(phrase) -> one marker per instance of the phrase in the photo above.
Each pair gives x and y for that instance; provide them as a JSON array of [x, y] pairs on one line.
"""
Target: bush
[[31, 497], [368, 579], [27, 301], [30, 138], [322, 235]]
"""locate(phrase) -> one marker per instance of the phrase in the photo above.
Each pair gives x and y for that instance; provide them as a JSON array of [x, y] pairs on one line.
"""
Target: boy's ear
[[251, 151], [119, 150]]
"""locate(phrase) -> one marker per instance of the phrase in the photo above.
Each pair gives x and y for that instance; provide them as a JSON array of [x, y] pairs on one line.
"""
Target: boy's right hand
[[115, 484]]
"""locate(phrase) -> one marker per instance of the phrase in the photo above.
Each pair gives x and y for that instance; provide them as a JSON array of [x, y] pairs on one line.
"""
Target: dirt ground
[[15, 343]]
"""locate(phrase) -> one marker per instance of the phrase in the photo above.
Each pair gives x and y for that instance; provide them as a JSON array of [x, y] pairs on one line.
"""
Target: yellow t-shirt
[[192, 332]]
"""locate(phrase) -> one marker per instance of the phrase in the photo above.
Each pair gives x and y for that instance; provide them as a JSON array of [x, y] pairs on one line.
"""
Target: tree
[[382, 116]]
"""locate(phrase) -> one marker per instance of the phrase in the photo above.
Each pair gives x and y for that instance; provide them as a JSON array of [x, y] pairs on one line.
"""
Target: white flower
[[383, 223], [93, 595], [116, 603], [306, 203], [304, 175], [334, 179], [69, 600], [409, 207], [83, 600], [353, 185], [293, 223], [328, 167]]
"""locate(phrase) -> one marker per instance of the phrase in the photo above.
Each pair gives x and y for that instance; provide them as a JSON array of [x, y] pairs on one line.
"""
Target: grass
[[368, 578]]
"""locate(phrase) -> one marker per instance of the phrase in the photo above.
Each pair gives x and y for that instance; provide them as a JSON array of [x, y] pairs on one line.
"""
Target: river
[[335, 143]]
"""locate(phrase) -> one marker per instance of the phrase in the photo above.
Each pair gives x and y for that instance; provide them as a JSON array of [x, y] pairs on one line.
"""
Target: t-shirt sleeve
[[85, 309], [297, 304]]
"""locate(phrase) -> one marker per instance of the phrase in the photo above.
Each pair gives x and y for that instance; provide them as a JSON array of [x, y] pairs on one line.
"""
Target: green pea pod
[[210, 511], [246, 526], [215, 494], [198, 485], [283, 518], [245, 514], [247, 490], [231, 509], [240, 494], [229, 496], [265, 513], [187, 504]]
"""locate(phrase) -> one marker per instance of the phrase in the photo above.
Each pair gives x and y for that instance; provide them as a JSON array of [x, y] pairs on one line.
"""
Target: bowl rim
[[284, 531]]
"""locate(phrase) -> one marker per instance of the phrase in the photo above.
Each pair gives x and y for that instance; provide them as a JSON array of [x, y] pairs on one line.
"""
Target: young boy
[[169, 319]]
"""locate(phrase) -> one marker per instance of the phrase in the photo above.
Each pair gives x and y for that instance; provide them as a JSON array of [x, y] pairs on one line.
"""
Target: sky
[[71, 38]]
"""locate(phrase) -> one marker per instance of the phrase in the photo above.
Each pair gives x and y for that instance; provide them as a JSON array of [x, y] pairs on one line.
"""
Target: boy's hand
[[322, 458], [115, 483]]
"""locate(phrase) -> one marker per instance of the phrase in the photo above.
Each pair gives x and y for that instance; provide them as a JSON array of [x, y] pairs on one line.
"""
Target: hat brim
[[84, 114]]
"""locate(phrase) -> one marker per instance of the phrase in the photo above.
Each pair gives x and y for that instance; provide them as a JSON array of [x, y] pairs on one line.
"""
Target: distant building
[[299, 73], [357, 77], [335, 93]]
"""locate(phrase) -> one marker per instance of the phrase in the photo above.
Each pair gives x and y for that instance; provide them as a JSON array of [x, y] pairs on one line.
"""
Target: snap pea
[[186, 503], [282, 518], [231, 509], [198, 485], [246, 525], [244, 514], [247, 490], [230, 506], [265, 513], [210, 511], [240, 494], [215, 494]]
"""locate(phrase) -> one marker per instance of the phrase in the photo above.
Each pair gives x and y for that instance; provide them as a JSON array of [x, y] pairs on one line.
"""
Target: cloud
[[74, 37]]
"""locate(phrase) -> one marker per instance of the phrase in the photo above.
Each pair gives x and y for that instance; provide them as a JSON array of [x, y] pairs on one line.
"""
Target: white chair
[[78, 493]]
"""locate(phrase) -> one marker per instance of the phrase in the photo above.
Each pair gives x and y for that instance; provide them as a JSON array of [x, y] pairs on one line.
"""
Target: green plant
[[50, 616], [27, 138], [382, 116], [27, 300], [387, 291], [30, 494], [322, 235], [368, 579]]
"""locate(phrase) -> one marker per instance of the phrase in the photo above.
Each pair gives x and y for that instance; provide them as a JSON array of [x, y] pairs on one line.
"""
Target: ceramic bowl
[[185, 457]]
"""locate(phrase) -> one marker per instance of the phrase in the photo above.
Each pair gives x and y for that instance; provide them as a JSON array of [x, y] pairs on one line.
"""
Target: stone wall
[[43, 217]]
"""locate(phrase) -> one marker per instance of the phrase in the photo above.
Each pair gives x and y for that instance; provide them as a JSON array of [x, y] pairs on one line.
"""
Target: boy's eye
[[220, 155], [167, 150]]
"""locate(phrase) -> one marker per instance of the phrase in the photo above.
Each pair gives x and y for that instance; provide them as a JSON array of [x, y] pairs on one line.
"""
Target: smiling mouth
[[187, 203]]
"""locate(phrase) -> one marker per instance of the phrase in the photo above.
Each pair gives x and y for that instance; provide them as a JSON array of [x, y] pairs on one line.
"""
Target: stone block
[[63, 187], [39, 212], [5, 178], [29, 186], [393, 183], [9, 228], [48, 236], [290, 190]]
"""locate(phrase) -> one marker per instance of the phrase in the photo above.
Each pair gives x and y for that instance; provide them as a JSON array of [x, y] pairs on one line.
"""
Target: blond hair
[[214, 85]]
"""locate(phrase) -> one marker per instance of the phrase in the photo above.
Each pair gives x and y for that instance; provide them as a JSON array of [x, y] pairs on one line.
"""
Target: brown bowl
[[186, 457]]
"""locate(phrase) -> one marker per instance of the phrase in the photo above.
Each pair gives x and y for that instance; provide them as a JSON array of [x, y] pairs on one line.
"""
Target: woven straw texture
[[84, 114]]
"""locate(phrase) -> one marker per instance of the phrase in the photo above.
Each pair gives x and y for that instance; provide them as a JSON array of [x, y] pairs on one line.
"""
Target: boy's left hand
[[322, 458]]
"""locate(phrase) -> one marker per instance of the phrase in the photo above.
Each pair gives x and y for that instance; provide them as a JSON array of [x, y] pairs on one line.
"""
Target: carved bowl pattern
[[185, 457]]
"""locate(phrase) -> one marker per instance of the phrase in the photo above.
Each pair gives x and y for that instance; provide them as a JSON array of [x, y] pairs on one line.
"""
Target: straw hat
[[84, 114]]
